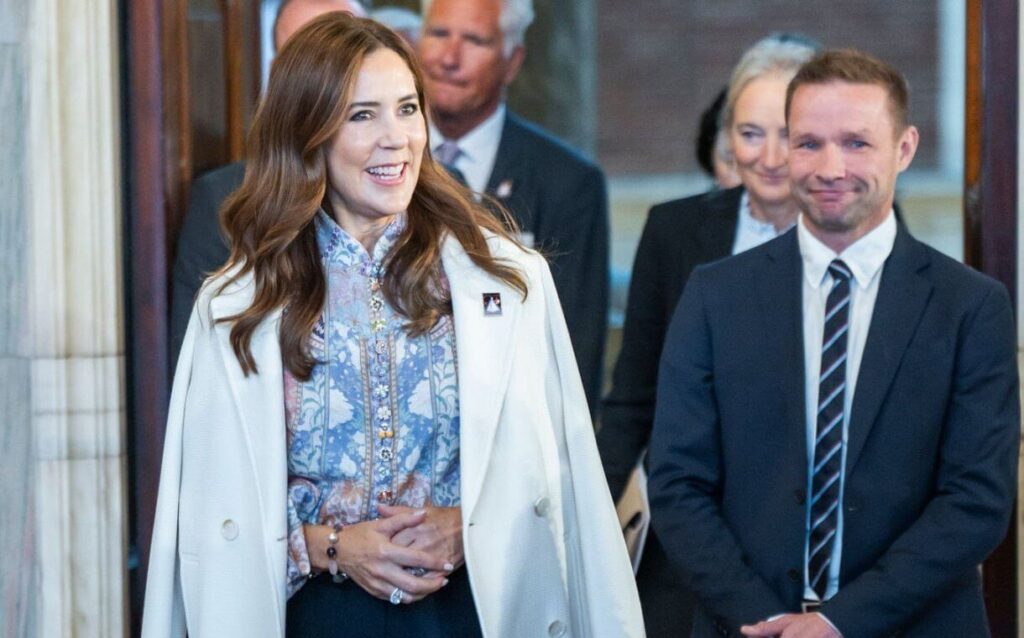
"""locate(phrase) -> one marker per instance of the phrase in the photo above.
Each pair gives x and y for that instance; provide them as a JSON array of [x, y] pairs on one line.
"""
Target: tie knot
[[839, 270], [447, 153]]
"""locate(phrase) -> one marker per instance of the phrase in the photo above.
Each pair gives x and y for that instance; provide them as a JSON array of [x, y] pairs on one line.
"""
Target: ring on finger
[[396, 596], [418, 571]]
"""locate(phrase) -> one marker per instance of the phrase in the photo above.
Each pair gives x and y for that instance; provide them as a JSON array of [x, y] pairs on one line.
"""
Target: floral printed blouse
[[378, 420]]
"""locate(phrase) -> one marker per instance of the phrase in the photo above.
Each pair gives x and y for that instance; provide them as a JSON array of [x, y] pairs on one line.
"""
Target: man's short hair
[[856, 67], [516, 17]]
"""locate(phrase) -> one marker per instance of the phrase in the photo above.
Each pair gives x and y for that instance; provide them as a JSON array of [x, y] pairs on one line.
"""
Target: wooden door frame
[[990, 218], [158, 169]]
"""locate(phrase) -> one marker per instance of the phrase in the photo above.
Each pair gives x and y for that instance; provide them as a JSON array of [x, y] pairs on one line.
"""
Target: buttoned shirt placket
[[381, 392]]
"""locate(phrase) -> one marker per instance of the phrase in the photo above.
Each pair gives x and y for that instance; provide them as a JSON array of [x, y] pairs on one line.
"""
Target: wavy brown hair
[[269, 220]]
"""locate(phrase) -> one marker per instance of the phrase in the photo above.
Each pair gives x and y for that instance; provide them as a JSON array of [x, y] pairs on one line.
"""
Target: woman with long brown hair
[[377, 426]]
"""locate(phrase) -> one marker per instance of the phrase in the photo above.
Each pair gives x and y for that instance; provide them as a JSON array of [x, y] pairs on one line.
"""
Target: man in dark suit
[[813, 477], [201, 248], [471, 51]]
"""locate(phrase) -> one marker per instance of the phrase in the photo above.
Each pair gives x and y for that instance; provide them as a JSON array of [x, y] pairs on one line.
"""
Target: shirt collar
[[338, 246], [753, 224], [864, 257], [481, 142]]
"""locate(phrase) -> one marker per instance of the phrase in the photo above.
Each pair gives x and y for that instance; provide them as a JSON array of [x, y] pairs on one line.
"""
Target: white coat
[[542, 544]]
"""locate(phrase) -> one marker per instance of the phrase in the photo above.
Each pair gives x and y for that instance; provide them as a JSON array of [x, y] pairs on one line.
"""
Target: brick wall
[[660, 62]]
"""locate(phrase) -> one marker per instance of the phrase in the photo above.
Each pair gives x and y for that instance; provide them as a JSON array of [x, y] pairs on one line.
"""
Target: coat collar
[[717, 232]]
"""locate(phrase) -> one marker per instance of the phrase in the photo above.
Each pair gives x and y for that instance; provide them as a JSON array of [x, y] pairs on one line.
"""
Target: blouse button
[[229, 530], [556, 628]]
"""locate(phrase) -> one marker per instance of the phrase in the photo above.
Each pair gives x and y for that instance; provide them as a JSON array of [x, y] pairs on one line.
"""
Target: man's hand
[[439, 534], [811, 625]]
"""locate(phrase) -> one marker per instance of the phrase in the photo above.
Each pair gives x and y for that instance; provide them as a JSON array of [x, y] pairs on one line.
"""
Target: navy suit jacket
[[561, 198], [551, 191], [201, 247], [678, 236], [933, 445]]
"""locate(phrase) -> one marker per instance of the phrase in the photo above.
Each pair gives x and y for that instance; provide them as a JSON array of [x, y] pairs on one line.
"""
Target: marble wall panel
[[18, 577], [75, 352]]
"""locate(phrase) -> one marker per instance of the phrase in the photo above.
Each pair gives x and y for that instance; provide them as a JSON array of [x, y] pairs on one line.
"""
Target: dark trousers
[[324, 609], [667, 604]]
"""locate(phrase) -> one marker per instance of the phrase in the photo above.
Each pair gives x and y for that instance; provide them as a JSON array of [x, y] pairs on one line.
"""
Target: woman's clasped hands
[[408, 549]]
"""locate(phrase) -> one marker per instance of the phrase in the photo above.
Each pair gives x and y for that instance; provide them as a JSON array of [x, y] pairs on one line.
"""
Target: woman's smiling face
[[759, 141], [374, 160]]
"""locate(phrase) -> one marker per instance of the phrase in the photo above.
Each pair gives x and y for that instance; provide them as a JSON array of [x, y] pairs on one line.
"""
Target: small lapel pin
[[492, 303], [504, 189]]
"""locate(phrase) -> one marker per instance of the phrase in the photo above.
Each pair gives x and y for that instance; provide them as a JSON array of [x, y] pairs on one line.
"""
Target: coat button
[[229, 530], [794, 575], [556, 628], [541, 506], [800, 497]]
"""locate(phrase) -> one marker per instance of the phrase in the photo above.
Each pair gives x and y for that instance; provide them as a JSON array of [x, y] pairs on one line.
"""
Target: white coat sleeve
[[163, 613], [602, 590]]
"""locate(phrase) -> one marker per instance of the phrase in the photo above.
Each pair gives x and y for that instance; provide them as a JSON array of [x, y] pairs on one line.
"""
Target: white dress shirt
[[479, 148], [865, 259], [751, 232]]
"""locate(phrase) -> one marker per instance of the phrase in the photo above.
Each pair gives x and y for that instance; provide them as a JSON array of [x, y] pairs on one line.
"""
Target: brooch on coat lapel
[[492, 304]]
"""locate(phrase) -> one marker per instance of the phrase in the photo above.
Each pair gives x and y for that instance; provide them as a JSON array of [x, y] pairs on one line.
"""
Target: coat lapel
[[902, 296], [485, 349], [717, 233], [779, 289], [501, 183]]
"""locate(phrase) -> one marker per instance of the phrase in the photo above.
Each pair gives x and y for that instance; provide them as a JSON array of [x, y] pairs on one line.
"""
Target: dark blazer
[[201, 248], [933, 445], [679, 235], [560, 197], [550, 189]]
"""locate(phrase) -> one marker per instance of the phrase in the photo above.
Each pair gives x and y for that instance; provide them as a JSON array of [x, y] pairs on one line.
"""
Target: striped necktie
[[828, 443]]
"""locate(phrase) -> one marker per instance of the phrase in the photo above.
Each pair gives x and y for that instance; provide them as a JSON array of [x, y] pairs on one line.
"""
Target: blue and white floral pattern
[[378, 420]]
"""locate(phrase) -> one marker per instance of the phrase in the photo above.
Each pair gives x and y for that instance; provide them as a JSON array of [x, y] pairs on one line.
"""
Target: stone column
[[75, 325], [18, 582]]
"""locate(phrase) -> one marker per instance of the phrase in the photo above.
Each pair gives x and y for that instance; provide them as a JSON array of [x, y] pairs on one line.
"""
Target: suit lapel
[[780, 291], [485, 349], [717, 233], [902, 297], [503, 175]]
